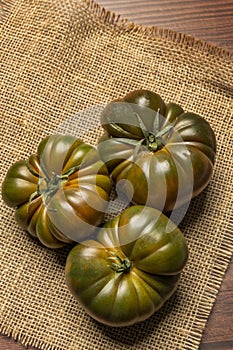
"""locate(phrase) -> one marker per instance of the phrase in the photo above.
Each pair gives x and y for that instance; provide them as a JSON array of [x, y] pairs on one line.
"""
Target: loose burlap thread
[[59, 58]]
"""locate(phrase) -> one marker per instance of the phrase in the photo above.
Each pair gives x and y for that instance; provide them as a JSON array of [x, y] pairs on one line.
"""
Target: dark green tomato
[[130, 269], [165, 155], [60, 193]]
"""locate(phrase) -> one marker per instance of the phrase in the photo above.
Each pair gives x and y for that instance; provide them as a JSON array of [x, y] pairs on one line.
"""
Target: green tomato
[[132, 267], [60, 193], [164, 155]]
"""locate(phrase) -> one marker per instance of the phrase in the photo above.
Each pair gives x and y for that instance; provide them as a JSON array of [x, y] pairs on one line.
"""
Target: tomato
[[130, 268], [159, 155], [60, 193]]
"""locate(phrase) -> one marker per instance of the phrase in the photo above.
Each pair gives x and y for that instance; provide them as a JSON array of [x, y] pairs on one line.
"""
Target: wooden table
[[211, 21]]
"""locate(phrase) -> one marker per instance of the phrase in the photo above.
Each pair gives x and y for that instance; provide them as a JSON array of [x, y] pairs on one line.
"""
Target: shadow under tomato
[[142, 331], [191, 213]]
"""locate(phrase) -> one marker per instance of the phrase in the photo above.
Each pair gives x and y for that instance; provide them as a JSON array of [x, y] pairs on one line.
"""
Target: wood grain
[[211, 21]]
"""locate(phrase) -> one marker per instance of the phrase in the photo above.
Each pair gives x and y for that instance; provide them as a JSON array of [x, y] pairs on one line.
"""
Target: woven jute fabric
[[60, 61]]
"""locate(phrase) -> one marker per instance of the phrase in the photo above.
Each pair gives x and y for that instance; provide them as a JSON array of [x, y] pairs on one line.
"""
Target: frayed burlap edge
[[225, 252], [123, 24], [178, 38], [5, 9]]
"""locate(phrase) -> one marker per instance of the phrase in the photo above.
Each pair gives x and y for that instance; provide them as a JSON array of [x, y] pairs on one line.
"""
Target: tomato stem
[[118, 264], [153, 140], [152, 143], [46, 187]]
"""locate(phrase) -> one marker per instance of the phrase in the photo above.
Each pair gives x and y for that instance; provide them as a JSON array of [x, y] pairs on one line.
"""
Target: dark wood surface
[[211, 21]]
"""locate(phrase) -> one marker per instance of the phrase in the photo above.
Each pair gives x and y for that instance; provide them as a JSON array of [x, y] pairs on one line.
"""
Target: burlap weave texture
[[59, 58]]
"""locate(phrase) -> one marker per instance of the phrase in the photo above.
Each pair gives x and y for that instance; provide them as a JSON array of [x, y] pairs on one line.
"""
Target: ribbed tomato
[[164, 155], [61, 192], [130, 269]]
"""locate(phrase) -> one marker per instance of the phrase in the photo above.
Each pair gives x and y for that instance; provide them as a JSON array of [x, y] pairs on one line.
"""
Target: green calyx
[[47, 187], [119, 264], [153, 141]]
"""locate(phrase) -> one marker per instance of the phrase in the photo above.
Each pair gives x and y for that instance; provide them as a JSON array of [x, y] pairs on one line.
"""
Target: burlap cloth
[[58, 58]]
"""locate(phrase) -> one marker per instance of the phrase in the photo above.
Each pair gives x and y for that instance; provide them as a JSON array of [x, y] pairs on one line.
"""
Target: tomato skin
[[154, 252], [168, 171], [60, 193]]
